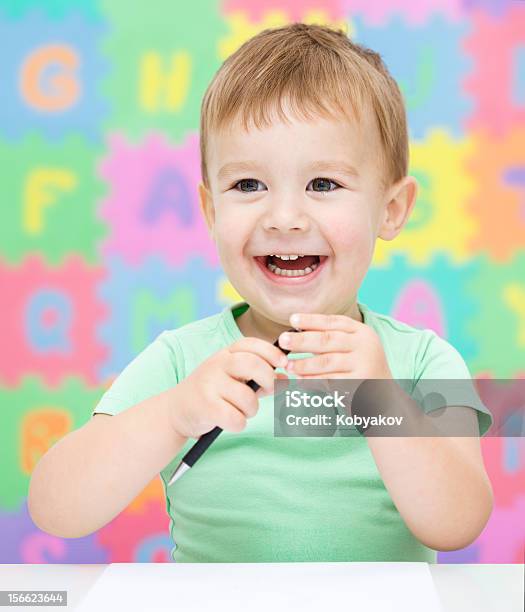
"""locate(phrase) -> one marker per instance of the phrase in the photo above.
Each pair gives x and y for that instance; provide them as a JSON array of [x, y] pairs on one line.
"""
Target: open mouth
[[294, 267]]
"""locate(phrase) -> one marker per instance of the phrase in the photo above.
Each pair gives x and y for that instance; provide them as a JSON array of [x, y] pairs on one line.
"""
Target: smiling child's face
[[306, 188]]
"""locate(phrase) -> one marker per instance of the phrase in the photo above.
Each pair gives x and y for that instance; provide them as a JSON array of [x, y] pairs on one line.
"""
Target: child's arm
[[438, 483], [94, 472]]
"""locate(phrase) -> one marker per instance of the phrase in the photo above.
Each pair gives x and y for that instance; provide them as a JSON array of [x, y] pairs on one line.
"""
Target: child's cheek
[[355, 241]]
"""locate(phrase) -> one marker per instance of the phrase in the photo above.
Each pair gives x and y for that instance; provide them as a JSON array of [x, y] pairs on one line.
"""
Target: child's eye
[[326, 182], [252, 185]]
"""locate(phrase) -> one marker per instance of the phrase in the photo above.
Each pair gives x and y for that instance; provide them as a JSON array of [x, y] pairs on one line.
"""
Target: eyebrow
[[232, 167], [333, 165]]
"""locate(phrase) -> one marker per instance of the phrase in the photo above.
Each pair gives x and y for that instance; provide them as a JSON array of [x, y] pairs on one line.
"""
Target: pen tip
[[181, 468]]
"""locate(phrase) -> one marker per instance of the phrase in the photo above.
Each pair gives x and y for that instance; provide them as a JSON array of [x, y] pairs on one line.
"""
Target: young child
[[304, 151]]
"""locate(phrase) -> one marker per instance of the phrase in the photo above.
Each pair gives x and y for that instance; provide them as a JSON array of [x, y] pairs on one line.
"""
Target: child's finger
[[319, 321], [326, 341], [272, 354]]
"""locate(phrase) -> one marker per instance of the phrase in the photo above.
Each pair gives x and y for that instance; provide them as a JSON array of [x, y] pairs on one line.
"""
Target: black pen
[[197, 450]]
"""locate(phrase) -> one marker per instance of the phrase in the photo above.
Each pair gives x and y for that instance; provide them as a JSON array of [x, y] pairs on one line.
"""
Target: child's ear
[[397, 207], [206, 204]]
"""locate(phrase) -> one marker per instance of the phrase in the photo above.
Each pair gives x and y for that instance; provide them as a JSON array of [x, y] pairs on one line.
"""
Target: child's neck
[[252, 324]]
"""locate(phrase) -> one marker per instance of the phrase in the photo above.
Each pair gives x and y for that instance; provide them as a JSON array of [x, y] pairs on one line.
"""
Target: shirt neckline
[[233, 333]]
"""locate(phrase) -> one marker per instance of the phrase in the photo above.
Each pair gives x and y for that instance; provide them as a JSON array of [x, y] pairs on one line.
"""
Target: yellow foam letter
[[514, 297], [38, 193], [173, 84]]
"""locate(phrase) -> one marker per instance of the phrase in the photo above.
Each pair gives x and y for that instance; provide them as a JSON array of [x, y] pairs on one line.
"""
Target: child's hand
[[216, 393], [343, 347]]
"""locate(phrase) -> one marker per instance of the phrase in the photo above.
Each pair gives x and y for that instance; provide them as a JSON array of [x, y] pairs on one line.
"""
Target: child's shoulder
[[216, 330], [389, 325], [406, 346], [189, 344], [199, 336], [199, 326]]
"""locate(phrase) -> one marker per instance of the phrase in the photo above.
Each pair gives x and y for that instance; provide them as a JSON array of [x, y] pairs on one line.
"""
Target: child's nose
[[286, 214]]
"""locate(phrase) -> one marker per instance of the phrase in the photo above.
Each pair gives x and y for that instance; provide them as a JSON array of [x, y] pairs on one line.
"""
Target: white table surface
[[460, 587]]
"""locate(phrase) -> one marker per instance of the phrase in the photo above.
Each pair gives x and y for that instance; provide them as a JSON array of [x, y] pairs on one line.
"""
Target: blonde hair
[[317, 69]]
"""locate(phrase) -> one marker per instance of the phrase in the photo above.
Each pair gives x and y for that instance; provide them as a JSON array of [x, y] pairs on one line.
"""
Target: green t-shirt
[[254, 497]]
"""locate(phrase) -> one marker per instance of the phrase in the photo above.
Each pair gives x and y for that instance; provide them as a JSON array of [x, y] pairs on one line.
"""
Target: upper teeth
[[285, 257]]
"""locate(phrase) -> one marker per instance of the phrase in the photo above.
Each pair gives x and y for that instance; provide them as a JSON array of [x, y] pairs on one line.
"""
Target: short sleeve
[[441, 361], [156, 369]]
